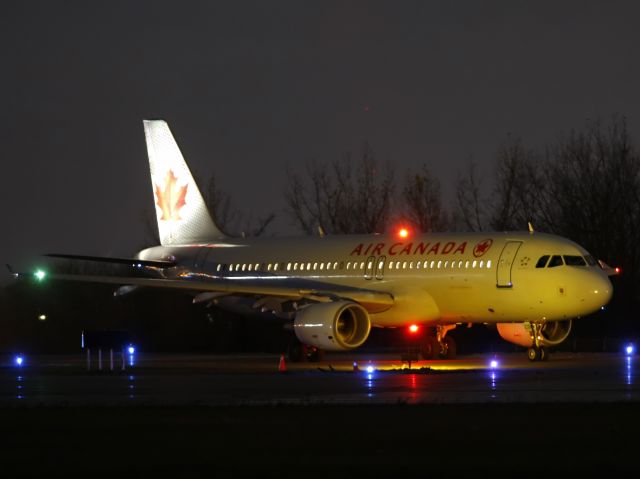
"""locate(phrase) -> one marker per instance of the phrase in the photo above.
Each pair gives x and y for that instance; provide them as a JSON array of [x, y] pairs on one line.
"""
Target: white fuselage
[[434, 278]]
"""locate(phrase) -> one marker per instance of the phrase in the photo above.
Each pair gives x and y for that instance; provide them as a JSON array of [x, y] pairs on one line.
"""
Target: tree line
[[584, 185]]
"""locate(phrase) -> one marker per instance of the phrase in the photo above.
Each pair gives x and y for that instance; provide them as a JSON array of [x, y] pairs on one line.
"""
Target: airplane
[[332, 289]]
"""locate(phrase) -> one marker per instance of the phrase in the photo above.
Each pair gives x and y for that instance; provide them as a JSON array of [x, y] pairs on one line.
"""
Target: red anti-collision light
[[403, 232], [414, 328]]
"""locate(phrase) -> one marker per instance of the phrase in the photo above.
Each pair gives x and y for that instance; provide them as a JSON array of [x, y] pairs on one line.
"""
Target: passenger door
[[505, 264]]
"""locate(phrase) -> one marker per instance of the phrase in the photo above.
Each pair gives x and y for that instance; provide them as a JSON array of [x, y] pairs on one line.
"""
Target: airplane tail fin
[[183, 217]]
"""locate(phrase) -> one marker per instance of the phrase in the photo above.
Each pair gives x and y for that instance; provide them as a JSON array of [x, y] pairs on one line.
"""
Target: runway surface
[[231, 380]]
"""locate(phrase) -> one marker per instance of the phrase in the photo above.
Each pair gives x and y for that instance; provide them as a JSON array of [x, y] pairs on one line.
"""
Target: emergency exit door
[[505, 264]]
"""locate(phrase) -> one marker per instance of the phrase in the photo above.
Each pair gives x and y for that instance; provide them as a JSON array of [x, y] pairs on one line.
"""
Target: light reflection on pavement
[[254, 379]]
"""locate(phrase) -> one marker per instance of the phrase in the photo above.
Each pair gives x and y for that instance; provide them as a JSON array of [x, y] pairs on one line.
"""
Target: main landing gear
[[301, 353], [439, 346]]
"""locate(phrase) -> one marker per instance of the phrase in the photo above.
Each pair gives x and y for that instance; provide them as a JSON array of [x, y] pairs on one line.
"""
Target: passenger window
[[574, 261], [555, 261], [542, 262]]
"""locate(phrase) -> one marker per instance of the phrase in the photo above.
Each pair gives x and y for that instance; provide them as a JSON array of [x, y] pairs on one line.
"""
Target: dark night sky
[[249, 87]]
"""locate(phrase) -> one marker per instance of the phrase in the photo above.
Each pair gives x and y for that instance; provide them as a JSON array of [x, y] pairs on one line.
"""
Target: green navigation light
[[40, 275]]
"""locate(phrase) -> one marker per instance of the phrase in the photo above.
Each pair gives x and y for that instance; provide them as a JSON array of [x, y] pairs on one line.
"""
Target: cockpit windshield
[[555, 261], [542, 262], [569, 260], [574, 260]]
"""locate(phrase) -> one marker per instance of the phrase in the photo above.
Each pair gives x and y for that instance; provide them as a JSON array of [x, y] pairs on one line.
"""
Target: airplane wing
[[289, 288]]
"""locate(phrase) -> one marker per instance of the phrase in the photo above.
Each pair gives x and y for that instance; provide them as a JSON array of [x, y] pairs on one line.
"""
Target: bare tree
[[520, 188], [586, 186], [471, 205], [422, 201], [344, 197], [230, 219], [594, 190]]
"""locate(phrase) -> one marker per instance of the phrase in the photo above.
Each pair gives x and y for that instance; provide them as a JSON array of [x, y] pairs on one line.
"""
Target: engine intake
[[553, 333], [335, 326]]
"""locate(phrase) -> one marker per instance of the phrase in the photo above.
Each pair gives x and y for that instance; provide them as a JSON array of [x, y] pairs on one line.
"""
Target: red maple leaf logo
[[171, 199], [482, 247]]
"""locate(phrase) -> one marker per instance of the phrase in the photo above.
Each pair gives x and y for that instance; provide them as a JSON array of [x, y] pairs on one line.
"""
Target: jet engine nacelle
[[335, 326], [552, 333]]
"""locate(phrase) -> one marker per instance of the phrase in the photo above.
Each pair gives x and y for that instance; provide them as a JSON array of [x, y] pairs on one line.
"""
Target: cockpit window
[[555, 261], [574, 261], [591, 261], [542, 262]]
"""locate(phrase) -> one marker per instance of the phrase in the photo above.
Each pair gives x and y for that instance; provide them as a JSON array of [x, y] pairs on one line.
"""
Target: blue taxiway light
[[19, 360], [370, 369], [131, 349], [629, 349], [494, 364]]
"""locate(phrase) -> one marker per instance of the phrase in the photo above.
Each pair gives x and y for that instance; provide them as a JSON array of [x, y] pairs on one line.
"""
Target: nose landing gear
[[537, 352]]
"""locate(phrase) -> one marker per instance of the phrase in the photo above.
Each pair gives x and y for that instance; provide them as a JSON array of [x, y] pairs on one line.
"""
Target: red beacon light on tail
[[414, 328]]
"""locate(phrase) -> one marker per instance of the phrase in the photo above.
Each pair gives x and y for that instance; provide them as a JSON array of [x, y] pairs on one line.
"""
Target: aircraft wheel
[[431, 348], [533, 354], [544, 354], [451, 349]]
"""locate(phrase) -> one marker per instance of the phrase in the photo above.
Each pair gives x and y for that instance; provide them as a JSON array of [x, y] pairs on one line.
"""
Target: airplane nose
[[600, 290]]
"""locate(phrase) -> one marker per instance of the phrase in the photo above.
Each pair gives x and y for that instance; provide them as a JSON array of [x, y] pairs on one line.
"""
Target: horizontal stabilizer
[[102, 259]]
